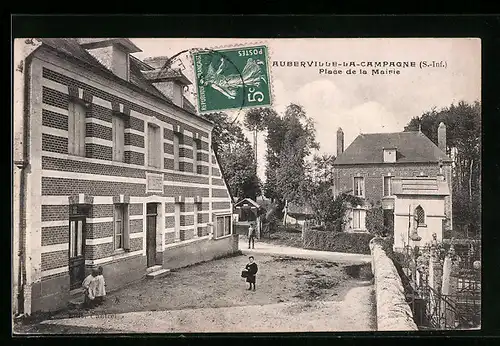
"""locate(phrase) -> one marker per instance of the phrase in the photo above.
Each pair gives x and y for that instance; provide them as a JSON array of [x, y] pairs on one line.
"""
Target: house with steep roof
[[113, 168], [405, 173]]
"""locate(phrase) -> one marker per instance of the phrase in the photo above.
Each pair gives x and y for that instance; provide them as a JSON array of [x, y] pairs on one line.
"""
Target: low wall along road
[[393, 312]]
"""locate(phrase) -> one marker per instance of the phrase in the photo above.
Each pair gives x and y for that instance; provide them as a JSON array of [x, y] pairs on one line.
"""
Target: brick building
[[113, 167], [387, 168]]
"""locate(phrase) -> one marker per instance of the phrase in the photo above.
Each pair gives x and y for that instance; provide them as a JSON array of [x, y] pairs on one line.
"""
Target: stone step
[[153, 268], [158, 274]]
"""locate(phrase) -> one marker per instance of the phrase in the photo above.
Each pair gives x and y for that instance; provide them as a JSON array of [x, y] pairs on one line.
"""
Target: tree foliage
[[290, 139], [463, 145], [330, 211], [235, 154], [375, 221]]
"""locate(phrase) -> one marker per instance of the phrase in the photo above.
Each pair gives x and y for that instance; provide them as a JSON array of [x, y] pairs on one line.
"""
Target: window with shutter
[[359, 187], [76, 129], [120, 225], [118, 138], [177, 221], [358, 219], [220, 226], [154, 146], [176, 151], [227, 225]]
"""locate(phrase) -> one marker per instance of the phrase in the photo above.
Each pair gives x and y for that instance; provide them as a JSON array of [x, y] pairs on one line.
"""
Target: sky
[[356, 103]]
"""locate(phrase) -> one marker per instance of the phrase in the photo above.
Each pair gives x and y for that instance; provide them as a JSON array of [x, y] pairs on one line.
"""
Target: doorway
[[389, 221], [151, 221], [77, 237]]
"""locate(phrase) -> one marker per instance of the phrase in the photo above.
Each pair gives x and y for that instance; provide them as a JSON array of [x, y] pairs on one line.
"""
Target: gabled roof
[[247, 200], [411, 147], [72, 48]]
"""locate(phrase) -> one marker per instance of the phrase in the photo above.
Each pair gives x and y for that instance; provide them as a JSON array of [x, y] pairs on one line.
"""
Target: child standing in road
[[252, 269], [100, 291], [89, 289]]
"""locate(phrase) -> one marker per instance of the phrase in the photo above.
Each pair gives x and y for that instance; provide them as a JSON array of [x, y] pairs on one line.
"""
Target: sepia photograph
[[236, 185]]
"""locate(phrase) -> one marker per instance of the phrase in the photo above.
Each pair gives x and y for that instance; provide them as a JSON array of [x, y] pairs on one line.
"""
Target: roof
[[173, 74], [72, 48], [247, 200], [103, 42], [420, 186], [412, 147]]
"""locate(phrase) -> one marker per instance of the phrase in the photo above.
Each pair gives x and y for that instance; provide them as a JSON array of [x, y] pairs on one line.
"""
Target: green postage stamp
[[233, 78]]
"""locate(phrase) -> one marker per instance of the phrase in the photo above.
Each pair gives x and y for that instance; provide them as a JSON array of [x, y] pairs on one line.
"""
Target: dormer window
[[389, 155], [112, 53]]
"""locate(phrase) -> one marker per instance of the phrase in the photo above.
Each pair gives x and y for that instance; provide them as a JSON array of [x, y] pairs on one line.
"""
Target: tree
[[290, 139], [255, 121], [235, 153], [330, 211], [463, 145]]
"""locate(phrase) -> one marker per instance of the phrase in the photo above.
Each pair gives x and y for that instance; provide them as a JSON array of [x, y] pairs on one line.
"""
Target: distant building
[[406, 173], [115, 169], [247, 211]]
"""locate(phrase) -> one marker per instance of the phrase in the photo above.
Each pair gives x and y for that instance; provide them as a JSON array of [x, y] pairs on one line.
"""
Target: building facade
[[374, 163], [113, 168]]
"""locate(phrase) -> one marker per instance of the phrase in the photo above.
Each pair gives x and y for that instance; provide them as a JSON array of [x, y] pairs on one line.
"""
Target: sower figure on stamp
[[252, 269], [251, 235]]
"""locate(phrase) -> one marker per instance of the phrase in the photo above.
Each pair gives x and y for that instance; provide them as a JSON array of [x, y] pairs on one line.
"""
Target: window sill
[[223, 237], [119, 252], [422, 226]]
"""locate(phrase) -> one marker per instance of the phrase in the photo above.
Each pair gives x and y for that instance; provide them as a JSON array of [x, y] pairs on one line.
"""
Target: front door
[[76, 251], [151, 214], [389, 221]]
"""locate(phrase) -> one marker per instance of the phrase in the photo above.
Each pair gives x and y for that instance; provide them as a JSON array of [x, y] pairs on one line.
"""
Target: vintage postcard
[[246, 185]]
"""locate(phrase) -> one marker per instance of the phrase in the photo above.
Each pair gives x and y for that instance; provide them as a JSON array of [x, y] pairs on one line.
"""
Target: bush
[[338, 242], [290, 228]]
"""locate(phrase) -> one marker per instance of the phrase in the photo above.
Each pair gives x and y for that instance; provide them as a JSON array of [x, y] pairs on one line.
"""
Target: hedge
[[337, 241]]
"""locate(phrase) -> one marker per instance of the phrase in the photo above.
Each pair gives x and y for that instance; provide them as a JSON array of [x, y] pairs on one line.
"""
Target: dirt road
[[292, 294]]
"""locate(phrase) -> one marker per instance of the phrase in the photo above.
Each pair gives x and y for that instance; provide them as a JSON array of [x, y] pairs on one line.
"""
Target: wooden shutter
[[355, 219], [79, 129], [118, 138], [71, 128], [362, 219], [176, 151], [157, 148], [150, 145], [126, 228]]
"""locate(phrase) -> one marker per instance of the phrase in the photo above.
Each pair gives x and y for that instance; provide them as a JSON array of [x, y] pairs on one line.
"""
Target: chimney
[[169, 81], [340, 141], [113, 53], [442, 137]]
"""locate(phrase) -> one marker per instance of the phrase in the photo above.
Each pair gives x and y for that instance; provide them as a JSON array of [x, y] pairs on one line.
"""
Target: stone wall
[[393, 312]]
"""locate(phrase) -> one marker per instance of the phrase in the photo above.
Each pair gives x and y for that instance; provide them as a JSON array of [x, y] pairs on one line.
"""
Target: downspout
[[23, 165]]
